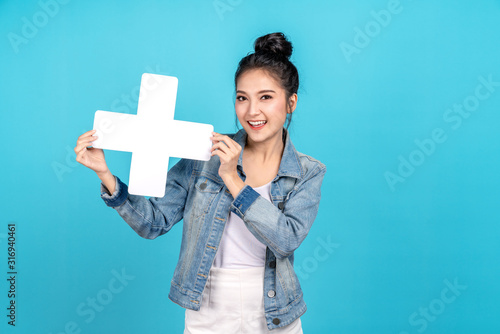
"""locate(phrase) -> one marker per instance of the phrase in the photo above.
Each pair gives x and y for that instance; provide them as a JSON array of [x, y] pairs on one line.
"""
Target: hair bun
[[275, 43]]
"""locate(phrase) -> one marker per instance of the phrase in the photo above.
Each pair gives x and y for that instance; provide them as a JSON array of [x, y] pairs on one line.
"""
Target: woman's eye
[[266, 97], [240, 98]]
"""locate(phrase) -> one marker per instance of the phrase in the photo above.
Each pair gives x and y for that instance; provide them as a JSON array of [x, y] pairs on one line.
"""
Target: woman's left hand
[[228, 152]]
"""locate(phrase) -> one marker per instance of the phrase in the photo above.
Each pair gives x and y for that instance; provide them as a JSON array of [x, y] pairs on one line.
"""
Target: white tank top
[[239, 248]]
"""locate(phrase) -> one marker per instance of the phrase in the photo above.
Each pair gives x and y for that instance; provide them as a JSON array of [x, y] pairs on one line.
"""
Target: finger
[[79, 155], [93, 137], [233, 145], [222, 156], [88, 133], [84, 143], [220, 147], [225, 139], [80, 146], [216, 139], [86, 140], [220, 137], [227, 149], [217, 153]]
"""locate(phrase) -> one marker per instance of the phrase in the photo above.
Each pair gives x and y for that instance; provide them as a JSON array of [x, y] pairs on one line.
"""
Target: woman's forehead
[[256, 80]]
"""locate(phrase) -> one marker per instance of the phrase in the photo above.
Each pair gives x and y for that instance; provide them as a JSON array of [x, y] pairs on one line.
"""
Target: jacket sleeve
[[155, 216], [282, 230]]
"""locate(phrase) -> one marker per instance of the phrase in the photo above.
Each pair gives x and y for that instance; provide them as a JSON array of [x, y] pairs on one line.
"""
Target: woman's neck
[[265, 151]]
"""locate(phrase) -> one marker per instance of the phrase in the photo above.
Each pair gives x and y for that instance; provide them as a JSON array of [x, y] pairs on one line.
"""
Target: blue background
[[378, 259]]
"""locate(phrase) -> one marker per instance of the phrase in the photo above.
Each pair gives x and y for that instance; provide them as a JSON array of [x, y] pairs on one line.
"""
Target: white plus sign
[[153, 136]]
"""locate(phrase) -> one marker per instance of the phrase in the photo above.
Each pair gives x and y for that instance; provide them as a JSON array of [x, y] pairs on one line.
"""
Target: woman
[[244, 212]]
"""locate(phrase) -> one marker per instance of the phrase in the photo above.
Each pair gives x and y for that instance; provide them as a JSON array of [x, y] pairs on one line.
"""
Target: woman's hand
[[90, 157], [228, 152]]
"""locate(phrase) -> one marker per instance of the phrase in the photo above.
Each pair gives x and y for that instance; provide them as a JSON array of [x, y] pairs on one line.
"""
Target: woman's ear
[[292, 103]]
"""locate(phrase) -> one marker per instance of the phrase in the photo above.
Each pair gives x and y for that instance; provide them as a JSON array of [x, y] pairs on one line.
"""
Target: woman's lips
[[257, 127]]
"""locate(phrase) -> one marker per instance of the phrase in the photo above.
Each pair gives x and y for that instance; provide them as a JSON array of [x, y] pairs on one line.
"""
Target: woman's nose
[[254, 109]]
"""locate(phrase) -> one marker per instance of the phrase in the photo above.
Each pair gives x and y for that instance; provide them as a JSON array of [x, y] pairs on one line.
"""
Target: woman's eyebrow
[[259, 92]]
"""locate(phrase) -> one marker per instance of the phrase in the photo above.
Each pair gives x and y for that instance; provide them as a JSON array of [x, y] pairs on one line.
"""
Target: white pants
[[233, 302]]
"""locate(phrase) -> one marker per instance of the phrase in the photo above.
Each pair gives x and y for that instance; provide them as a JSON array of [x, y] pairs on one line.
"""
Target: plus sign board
[[153, 136]]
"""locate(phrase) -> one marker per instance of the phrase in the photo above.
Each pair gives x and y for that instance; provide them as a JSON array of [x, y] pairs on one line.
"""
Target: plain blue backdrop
[[400, 100]]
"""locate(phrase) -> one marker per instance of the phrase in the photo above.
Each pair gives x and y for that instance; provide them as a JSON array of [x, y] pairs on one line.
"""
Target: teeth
[[257, 123]]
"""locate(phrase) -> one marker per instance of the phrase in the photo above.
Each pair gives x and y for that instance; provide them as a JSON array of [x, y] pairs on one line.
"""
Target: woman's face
[[261, 105]]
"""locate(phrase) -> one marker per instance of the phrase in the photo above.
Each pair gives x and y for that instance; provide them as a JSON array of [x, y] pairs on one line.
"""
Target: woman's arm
[[282, 230], [155, 216], [108, 180]]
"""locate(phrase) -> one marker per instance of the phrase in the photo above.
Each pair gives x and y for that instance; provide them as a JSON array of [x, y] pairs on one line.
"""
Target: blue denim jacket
[[196, 193]]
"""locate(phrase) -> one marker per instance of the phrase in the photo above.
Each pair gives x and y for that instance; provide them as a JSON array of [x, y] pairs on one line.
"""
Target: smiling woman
[[259, 109], [245, 211]]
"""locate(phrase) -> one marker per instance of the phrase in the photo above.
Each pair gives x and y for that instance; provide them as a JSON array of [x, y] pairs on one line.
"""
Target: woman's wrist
[[108, 179], [234, 184]]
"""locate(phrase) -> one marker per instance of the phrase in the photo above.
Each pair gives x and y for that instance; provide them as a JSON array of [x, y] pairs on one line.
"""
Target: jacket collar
[[290, 164]]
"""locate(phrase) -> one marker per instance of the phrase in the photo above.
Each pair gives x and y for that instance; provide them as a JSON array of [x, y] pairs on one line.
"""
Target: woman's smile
[[257, 125]]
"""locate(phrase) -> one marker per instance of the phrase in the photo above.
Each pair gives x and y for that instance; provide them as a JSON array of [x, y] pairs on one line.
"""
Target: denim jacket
[[196, 194]]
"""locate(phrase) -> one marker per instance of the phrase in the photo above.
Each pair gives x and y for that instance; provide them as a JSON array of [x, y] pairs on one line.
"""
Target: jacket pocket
[[206, 190], [287, 282]]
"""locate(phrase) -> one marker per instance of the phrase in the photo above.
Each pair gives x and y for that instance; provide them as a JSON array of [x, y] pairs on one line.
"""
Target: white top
[[239, 248]]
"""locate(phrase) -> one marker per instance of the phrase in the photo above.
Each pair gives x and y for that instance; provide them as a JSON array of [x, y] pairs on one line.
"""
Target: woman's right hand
[[90, 157]]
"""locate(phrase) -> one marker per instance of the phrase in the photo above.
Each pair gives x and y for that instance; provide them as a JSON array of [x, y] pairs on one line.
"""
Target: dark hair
[[272, 53]]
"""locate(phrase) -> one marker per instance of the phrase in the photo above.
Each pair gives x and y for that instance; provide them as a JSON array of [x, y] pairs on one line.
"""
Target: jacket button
[[272, 264], [281, 205], [203, 186], [276, 321], [271, 293]]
